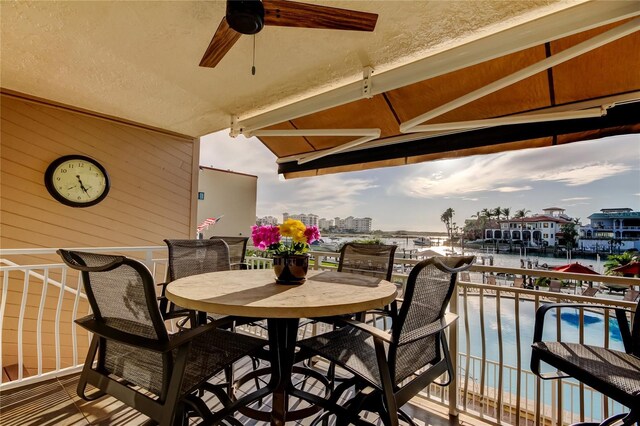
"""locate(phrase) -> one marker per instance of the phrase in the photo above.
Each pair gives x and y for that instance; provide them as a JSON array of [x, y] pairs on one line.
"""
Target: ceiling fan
[[250, 16]]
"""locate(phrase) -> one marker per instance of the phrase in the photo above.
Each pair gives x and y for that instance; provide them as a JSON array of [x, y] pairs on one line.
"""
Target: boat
[[422, 241], [322, 245]]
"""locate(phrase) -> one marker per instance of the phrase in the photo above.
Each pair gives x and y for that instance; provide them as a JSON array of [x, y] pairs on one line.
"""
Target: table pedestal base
[[283, 333]]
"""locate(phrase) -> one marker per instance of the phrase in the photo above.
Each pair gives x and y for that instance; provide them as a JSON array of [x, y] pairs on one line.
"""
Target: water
[[594, 334], [407, 248]]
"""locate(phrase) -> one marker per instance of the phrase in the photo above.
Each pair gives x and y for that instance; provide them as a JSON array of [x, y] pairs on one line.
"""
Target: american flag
[[208, 222]]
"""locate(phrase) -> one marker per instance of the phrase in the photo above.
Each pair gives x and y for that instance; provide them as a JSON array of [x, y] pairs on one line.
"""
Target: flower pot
[[291, 269]]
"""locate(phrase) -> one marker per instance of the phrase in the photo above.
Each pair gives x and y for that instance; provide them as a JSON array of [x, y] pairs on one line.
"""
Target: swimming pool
[[505, 321]]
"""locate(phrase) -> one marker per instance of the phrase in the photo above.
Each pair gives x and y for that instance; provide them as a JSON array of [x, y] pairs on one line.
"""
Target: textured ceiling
[[139, 60]]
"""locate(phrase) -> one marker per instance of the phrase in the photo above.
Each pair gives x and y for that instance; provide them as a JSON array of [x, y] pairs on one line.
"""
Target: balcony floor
[[55, 402]]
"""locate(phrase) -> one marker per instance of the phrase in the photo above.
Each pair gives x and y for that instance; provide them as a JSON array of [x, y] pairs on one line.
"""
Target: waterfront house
[[613, 229], [119, 82], [539, 230]]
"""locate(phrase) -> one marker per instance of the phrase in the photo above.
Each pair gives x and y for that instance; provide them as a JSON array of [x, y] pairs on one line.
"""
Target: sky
[[581, 177]]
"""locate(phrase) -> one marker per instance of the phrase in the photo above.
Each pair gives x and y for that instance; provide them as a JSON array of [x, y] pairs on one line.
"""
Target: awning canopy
[[601, 77]]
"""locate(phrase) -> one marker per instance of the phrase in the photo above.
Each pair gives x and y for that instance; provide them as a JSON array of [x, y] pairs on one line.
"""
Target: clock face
[[77, 181]]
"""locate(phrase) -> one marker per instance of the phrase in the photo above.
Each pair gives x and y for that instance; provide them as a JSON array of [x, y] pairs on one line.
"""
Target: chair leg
[[82, 381], [389, 415], [228, 375]]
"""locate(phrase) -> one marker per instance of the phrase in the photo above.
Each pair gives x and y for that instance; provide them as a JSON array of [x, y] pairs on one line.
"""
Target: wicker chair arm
[[187, 335], [621, 317], [429, 329], [99, 329], [375, 332], [243, 266], [178, 340]]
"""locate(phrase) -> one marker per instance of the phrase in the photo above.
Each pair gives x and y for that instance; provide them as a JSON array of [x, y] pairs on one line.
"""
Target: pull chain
[[253, 65]]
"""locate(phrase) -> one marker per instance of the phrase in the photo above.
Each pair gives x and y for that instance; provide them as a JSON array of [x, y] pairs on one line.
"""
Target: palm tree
[[506, 212], [497, 212], [616, 260], [447, 218], [521, 214]]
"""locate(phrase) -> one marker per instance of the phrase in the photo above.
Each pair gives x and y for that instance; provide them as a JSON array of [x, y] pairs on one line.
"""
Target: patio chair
[[374, 260], [390, 368], [590, 291], [464, 276], [555, 286], [237, 251], [631, 295], [137, 361], [518, 282], [192, 257], [613, 373], [491, 280]]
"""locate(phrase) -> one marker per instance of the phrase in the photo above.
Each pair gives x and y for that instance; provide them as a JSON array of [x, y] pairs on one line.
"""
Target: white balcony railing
[[491, 340]]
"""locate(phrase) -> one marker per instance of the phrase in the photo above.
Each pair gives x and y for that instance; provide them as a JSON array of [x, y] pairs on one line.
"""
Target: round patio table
[[255, 294]]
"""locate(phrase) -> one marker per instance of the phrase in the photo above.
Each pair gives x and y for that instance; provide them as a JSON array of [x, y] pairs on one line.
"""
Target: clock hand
[[82, 186]]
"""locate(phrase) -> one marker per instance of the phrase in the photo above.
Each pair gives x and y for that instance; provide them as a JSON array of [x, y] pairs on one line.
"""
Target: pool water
[[594, 334]]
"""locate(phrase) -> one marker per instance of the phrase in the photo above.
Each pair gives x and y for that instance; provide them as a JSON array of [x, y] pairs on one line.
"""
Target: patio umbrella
[[632, 268], [575, 268]]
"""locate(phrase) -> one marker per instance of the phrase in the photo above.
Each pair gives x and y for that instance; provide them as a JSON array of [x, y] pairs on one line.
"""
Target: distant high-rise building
[[356, 224], [325, 223], [266, 220], [307, 219]]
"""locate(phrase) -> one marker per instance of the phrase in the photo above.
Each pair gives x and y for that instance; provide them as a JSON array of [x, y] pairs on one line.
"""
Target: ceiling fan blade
[[223, 40], [286, 13]]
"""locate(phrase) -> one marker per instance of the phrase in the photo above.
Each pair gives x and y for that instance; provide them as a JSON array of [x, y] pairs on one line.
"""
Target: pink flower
[[312, 233], [264, 236]]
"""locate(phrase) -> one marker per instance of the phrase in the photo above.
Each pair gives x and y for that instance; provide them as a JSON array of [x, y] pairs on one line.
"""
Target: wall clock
[[77, 181]]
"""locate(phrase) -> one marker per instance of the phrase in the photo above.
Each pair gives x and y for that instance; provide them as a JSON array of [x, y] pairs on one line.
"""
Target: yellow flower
[[294, 229]]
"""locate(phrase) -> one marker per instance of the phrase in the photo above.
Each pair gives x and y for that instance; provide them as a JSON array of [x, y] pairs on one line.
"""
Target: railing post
[[453, 349]]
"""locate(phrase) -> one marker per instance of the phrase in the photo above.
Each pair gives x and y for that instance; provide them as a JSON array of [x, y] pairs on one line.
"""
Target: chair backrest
[[518, 282], [375, 260], [427, 294], [237, 248], [193, 257], [121, 293], [590, 291], [491, 280], [631, 295], [555, 286], [464, 276], [635, 332]]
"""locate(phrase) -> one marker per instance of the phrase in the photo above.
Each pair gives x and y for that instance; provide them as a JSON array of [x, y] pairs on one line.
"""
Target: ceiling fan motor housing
[[245, 16]]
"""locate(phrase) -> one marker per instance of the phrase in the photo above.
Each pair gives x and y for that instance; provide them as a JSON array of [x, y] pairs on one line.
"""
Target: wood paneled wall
[[154, 178]]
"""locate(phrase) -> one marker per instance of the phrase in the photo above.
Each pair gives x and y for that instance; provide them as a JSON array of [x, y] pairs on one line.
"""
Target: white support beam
[[513, 119], [366, 135], [575, 19], [339, 148], [567, 54], [317, 132], [609, 101]]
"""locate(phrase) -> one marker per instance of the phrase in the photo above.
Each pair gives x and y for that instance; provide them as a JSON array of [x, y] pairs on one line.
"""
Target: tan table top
[[254, 293]]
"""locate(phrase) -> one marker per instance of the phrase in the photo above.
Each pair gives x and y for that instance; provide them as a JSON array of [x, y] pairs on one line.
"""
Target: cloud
[[582, 174], [507, 172], [576, 199], [513, 188], [327, 196]]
